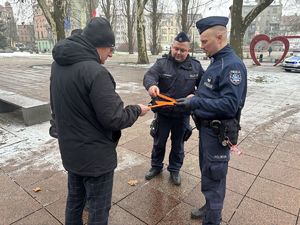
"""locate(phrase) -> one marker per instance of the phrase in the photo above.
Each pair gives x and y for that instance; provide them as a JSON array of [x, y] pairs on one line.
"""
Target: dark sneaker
[[152, 173], [175, 178], [198, 213]]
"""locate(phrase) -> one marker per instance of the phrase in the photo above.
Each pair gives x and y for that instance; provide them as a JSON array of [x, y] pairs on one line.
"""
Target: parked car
[[292, 63]]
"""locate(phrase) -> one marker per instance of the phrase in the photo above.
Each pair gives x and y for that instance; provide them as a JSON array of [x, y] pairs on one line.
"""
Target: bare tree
[[240, 24], [109, 9], [128, 9], [141, 36], [188, 11], [156, 12], [91, 6], [3, 39], [55, 17]]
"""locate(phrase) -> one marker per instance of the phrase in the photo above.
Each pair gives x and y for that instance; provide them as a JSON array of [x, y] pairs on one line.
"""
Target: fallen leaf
[[133, 182], [37, 189]]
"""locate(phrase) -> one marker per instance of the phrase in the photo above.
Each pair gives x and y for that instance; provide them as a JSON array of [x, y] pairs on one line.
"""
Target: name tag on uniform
[[193, 76], [208, 83], [165, 75], [220, 156]]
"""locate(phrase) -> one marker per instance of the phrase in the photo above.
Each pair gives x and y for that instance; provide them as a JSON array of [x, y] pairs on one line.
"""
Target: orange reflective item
[[169, 102]]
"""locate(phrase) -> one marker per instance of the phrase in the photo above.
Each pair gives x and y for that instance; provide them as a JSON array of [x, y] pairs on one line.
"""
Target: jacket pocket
[[217, 164], [166, 82]]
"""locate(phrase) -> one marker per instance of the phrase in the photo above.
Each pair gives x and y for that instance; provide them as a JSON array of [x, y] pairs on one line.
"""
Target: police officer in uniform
[[175, 75], [216, 108]]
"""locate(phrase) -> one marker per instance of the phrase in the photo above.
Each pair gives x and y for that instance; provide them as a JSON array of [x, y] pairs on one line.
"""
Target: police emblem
[[235, 77]]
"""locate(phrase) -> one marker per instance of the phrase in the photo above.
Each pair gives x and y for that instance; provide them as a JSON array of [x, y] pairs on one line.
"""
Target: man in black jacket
[[89, 115], [175, 75]]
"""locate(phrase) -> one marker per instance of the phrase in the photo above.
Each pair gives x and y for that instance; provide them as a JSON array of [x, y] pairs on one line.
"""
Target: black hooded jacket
[[88, 112]]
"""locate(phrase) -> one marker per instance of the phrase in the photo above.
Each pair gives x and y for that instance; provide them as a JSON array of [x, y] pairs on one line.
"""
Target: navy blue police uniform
[[176, 80], [220, 97]]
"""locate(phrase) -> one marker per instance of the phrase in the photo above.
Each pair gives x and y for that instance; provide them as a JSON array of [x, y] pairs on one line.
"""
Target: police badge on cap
[[182, 37]]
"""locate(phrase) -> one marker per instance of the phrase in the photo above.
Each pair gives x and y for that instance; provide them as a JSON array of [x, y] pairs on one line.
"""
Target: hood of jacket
[[74, 49]]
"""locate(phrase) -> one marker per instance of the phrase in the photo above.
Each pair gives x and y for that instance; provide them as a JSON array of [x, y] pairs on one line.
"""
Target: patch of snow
[[22, 54]]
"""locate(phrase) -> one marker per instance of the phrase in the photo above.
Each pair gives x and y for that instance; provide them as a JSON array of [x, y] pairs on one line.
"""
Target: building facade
[[44, 37], [26, 35], [7, 17], [267, 22]]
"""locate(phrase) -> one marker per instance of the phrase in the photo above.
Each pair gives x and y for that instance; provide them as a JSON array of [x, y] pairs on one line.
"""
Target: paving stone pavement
[[263, 186]]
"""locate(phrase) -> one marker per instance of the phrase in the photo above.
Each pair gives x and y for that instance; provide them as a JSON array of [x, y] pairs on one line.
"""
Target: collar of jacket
[[220, 54], [186, 64]]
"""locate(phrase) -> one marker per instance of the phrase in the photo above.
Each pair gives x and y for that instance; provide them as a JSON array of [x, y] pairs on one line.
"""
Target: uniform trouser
[[177, 127], [213, 160], [96, 190]]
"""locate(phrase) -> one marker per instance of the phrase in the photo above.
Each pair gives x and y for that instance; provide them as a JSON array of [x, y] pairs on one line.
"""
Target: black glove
[[52, 129], [184, 103]]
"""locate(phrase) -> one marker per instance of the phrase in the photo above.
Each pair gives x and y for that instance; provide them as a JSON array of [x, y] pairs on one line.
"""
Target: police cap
[[182, 37], [208, 22]]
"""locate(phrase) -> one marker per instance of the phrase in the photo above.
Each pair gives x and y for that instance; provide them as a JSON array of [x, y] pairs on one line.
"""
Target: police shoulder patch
[[235, 77]]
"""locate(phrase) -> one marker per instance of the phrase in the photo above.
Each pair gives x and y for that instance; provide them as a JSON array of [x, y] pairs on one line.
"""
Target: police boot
[[153, 172], [175, 178], [198, 213]]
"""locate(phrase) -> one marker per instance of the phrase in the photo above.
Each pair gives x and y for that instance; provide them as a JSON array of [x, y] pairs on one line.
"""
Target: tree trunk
[[56, 18], [155, 18], [58, 13], [130, 14], [184, 15], [108, 7], [236, 35], [130, 35], [141, 37], [239, 24]]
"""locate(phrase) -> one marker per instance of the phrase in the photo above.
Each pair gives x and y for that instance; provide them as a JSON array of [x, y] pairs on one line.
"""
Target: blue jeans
[[97, 191]]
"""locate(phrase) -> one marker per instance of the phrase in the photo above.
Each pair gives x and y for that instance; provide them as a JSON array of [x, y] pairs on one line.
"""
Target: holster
[[154, 126], [229, 131], [196, 121], [188, 132]]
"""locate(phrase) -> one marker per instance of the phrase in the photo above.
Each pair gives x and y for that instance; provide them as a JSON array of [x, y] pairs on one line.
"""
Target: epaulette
[[164, 56], [194, 59]]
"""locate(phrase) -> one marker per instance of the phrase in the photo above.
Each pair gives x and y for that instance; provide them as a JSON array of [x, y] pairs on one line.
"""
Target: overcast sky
[[209, 8]]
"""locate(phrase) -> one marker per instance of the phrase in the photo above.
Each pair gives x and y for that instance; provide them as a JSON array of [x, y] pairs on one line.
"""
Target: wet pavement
[[263, 186]]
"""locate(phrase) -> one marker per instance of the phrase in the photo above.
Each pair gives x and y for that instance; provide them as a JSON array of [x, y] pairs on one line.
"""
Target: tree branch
[[254, 13]]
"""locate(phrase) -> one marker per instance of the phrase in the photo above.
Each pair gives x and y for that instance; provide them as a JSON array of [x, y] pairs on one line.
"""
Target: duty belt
[[210, 123]]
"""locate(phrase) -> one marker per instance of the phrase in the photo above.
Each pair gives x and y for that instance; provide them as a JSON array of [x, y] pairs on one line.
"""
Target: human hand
[[184, 103], [153, 91], [144, 109]]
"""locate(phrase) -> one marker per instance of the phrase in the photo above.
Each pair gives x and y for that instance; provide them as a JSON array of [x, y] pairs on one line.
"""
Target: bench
[[31, 111]]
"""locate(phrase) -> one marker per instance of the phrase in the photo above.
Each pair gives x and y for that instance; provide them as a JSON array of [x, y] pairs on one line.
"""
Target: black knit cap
[[98, 31], [182, 37]]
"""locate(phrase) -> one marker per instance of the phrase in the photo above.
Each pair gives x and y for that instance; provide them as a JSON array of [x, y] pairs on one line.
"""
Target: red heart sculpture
[[263, 37]]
